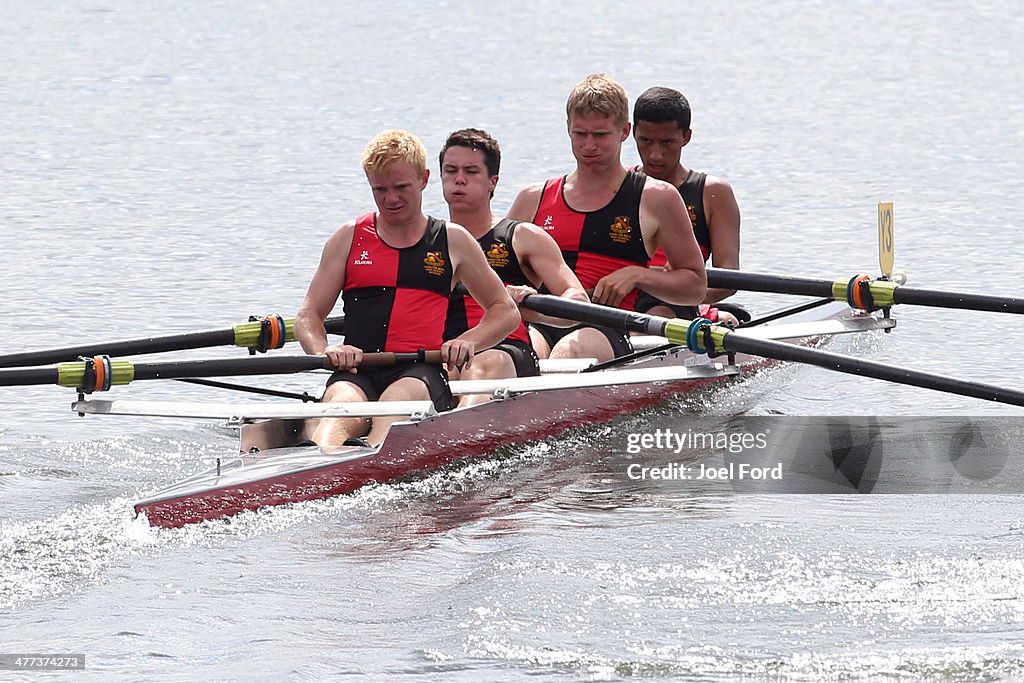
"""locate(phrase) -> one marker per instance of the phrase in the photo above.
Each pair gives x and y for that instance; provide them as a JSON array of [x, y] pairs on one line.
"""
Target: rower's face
[[660, 146], [398, 191], [464, 178], [596, 140]]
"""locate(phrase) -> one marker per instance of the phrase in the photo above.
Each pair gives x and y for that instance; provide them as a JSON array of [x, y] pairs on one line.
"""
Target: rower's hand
[[344, 357], [519, 292], [457, 354], [613, 288], [728, 319]]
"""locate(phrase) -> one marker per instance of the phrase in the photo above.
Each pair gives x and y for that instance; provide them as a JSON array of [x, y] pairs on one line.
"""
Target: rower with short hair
[[523, 255], [661, 128], [395, 270], [608, 221]]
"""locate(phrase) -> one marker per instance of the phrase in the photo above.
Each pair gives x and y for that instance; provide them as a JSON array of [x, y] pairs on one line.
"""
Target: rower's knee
[[490, 364], [343, 392], [406, 389], [661, 312], [584, 343], [539, 343]]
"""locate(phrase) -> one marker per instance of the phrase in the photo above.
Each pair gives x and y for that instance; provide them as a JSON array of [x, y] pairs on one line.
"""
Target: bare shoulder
[[531, 231], [459, 238], [533, 189], [718, 195], [528, 236], [341, 238], [717, 185], [345, 230], [524, 206], [660, 193]]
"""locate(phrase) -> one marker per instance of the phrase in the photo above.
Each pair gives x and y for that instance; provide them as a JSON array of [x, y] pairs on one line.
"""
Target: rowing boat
[[272, 469]]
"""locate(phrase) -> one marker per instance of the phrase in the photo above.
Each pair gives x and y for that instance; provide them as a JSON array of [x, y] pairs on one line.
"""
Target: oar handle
[[386, 358]]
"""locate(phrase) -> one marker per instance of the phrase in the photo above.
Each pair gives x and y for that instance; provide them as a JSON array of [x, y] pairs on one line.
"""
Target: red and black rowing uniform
[[692, 191], [395, 300], [464, 312], [596, 243]]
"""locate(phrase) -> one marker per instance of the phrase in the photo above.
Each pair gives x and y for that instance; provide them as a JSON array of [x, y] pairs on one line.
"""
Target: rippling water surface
[[176, 168]]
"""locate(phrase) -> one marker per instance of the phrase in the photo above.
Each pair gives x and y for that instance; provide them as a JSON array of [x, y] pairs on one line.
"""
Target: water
[[171, 168]]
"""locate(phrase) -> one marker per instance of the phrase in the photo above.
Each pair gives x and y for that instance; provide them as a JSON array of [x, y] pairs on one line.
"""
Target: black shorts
[[621, 345], [373, 381], [524, 358], [645, 302]]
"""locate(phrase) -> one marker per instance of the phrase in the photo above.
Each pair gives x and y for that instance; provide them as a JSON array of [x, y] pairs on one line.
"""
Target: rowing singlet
[[463, 311], [692, 190], [600, 242], [395, 299]]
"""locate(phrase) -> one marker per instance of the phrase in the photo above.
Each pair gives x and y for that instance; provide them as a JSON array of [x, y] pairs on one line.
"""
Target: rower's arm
[[663, 210], [501, 316], [542, 262], [723, 215], [323, 291], [526, 203]]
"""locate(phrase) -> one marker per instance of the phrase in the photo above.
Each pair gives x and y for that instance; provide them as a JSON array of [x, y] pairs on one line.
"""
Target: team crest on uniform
[[693, 215], [498, 255], [434, 263], [620, 231]]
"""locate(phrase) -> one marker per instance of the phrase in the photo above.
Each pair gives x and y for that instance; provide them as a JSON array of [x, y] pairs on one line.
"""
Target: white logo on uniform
[[549, 223], [364, 259]]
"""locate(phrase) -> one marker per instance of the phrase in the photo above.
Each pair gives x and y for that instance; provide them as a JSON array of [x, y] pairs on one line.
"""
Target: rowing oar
[[260, 334], [860, 291], [100, 372], [700, 335]]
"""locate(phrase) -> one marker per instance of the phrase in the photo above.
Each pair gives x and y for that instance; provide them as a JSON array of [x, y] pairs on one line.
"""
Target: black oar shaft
[[868, 368], [723, 278], [123, 372], [247, 365], [783, 284], [568, 309], [970, 302], [736, 342], [128, 347], [136, 347], [23, 377]]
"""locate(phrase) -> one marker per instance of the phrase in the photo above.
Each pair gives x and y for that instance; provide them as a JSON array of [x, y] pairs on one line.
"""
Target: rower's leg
[[490, 364], [539, 343], [585, 342], [404, 389], [331, 432], [661, 311]]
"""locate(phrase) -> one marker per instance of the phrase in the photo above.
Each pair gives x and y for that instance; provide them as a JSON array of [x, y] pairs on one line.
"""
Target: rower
[[661, 128], [608, 220], [523, 255], [395, 270]]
